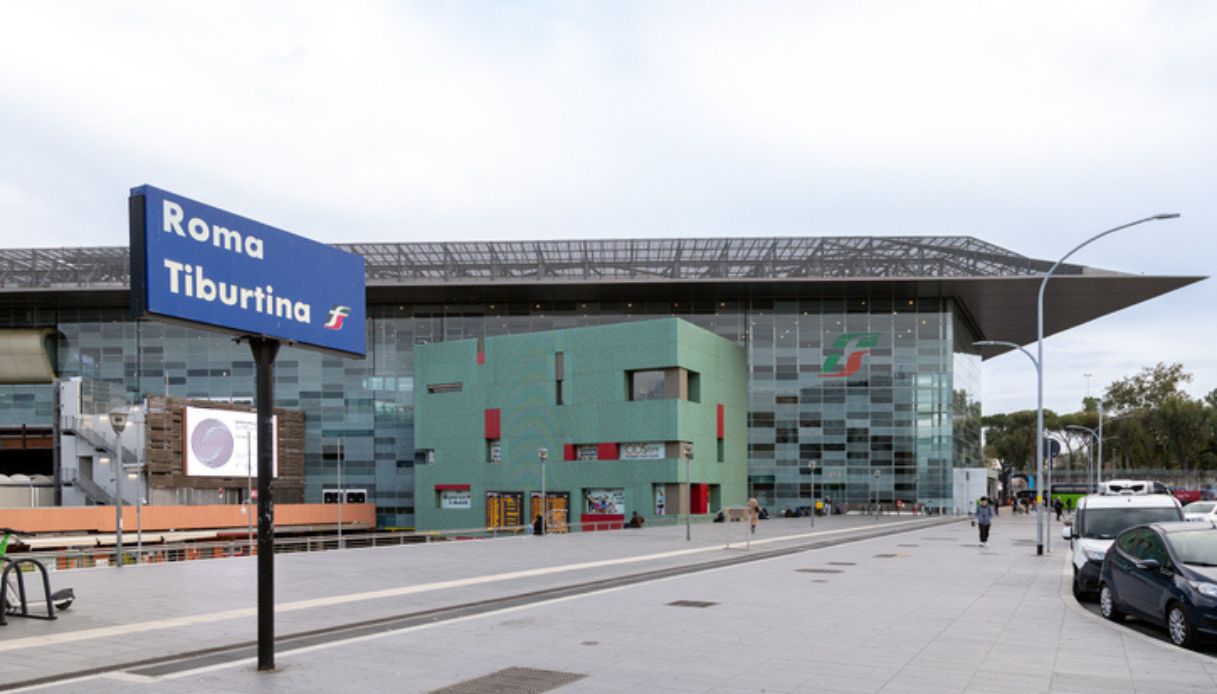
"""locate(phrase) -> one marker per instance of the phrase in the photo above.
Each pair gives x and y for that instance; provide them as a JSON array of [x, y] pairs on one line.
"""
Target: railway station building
[[860, 379]]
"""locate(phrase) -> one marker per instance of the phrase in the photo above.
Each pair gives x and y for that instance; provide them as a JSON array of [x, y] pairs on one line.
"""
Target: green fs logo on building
[[853, 347]]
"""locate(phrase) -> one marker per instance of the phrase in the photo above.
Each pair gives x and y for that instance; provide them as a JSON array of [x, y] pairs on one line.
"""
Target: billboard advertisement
[[194, 263], [223, 443], [642, 451]]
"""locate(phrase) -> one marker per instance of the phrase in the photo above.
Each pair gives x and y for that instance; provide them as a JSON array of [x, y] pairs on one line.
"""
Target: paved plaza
[[920, 608]]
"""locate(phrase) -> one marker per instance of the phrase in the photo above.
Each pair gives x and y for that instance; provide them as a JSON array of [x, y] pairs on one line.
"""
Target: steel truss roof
[[808, 258]]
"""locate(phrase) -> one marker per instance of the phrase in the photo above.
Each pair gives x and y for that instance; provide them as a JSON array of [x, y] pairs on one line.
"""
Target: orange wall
[[101, 518]]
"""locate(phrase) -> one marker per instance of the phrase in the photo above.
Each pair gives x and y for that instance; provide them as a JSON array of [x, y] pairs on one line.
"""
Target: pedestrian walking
[[1058, 507], [984, 519], [754, 513]]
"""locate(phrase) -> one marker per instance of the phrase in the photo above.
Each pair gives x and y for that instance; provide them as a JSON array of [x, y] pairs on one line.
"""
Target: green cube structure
[[616, 408]]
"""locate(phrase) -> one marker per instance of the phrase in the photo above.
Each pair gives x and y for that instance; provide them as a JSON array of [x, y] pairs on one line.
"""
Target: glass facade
[[858, 400]]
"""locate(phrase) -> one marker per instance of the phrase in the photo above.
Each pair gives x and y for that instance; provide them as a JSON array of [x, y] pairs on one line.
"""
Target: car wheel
[[1179, 627], [1078, 593], [1107, 604]]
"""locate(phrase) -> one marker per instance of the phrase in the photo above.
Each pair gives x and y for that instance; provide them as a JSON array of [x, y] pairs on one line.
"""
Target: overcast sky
[[1032, 125]]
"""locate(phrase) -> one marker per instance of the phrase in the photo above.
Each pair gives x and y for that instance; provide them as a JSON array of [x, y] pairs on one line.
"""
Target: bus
[[1070, 492]]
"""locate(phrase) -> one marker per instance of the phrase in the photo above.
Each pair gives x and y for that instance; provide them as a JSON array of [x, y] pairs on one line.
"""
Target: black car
[[1165, 573]]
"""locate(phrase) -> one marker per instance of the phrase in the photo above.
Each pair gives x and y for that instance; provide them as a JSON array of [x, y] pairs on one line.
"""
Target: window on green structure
[[445, 387], [673, 383], [559, 375], [720, 450], [647, 385], [494, 451]]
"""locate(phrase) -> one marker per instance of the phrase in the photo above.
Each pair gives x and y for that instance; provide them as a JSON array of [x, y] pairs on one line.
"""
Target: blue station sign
[[195, 263]]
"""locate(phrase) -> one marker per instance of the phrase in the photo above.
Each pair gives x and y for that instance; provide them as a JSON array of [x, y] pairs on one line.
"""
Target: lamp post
[[1038, 360], [543, 455], [118, 422], [813, 494], [1095, 436], [249, 490], [1098, 477], [137, 473], [687, 449], [1039, 356], [1039, 481]]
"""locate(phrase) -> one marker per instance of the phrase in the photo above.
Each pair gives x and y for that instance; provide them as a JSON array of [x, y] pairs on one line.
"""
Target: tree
[[1150, 388], [1011, 437]]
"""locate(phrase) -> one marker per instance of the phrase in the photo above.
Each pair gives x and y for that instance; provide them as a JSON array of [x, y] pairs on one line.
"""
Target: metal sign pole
[[264, 351]]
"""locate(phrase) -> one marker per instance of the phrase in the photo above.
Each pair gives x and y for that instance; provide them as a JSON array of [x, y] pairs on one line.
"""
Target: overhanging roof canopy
[[995, 287]]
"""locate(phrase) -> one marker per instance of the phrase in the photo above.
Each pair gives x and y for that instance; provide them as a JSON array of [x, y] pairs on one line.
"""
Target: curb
[[1071, 603]]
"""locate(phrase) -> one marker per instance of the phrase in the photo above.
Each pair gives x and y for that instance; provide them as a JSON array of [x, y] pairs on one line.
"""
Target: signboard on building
[[198, 264], [457, 499], [642, 451], [223, 443]]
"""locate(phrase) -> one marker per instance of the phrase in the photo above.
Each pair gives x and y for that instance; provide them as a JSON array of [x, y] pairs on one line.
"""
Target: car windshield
[[1106, 523], [1196, 548], [1200, 507]]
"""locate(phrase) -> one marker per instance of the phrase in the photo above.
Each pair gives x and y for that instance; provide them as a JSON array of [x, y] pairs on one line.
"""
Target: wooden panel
[[165, 435]]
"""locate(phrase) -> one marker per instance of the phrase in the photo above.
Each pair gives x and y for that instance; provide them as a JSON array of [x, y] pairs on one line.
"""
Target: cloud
[[1030, 125]]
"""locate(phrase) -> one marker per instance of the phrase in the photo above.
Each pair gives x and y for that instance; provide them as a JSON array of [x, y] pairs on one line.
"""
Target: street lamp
[[687, 449], [1039, 481], [118, 422], [1039, 356], [813, 494], [1090, 449], [543, 455]]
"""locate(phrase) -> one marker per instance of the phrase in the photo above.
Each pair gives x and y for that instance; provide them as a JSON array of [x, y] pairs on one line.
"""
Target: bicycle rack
[[23, 608]]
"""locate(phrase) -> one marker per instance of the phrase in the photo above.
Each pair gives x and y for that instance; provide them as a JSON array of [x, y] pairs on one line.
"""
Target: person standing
[[984, 519], [754, 513]]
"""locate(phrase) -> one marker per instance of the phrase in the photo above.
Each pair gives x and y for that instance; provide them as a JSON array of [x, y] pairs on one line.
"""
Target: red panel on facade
[[602, 521], [606, 451], [568, 452], [720, 420], [701, 498], [452, 487], [481, 357], [493, 428]]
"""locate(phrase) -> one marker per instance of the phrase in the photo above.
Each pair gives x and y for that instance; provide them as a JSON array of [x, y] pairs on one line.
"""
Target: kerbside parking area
[[856, 604]]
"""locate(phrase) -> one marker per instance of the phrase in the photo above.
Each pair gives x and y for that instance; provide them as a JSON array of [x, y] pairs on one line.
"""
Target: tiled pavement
[[919, 611]]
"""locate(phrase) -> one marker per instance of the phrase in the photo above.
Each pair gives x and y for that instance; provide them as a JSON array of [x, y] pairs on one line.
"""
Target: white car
[[1097, 521], [1200, 511]]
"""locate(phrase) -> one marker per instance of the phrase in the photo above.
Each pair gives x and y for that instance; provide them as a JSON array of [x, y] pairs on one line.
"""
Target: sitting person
[[636, 521]]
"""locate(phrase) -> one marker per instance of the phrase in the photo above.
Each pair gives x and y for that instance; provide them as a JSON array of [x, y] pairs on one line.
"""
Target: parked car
[[1200, 510], [1186, 496], [1097, 521], [1165, 573]]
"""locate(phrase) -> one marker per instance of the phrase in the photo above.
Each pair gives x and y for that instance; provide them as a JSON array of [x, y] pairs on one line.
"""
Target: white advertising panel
[[642, 451], [451, 498], [223, 443]]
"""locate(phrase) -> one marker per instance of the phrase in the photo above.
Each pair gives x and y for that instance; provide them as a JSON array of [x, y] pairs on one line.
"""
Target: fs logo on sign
[[337, 315], [861, 342]]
